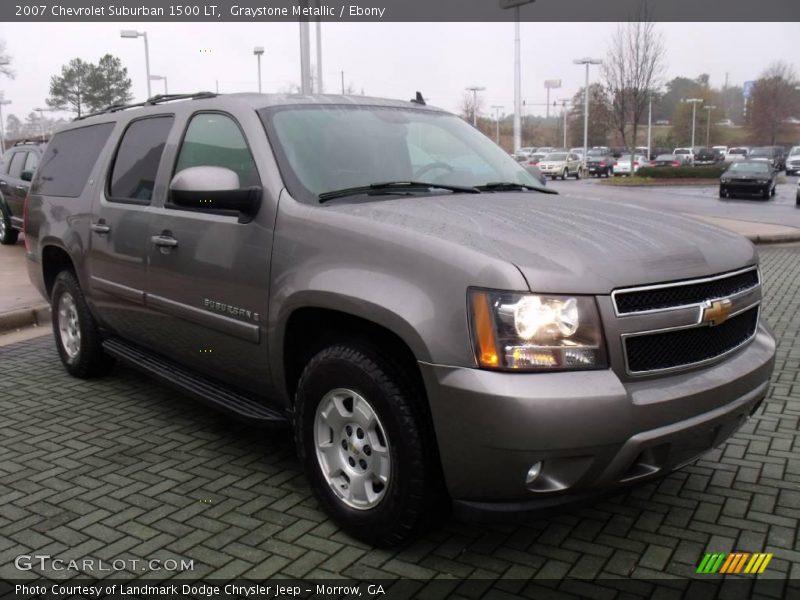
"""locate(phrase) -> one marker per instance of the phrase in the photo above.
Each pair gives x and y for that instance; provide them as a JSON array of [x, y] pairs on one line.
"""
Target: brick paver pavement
[[123, 468]]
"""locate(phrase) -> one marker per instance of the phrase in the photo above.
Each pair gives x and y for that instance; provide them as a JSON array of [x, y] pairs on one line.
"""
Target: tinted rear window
[[17, 162], [69, 159], [134, 172]]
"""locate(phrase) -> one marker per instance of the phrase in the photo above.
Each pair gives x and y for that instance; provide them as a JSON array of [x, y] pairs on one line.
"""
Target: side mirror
[[214, 189], [26, 175]]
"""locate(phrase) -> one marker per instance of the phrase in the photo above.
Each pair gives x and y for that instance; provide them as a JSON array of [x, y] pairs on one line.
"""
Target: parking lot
[[123, 468], [697, 200]]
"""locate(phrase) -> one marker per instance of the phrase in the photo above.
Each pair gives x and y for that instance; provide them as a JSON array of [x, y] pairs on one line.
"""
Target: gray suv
[[438, 328]]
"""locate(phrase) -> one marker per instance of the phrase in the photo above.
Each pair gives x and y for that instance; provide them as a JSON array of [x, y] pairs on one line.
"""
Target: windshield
[[596, 153], [766, 152], [326, 148], [682, 151], [737, 151], [748, 167], [668, 157], [555, 156], [794, 151]]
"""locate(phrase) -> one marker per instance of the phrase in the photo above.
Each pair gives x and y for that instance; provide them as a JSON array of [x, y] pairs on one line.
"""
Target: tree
[[13, 127], [773, 101], [633, 69], [676, 89], [108, 84], [471, 104], [600, 119], [5, 61], [69, 90]]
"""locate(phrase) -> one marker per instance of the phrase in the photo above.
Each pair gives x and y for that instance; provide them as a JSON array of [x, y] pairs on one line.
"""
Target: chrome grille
[[679, 294], [681, 325]]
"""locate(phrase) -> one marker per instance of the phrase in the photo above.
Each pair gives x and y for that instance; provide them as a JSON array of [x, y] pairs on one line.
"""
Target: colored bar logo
[[734, 563]]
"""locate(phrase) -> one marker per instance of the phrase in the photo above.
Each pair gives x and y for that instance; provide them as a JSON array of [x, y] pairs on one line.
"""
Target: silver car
[[561, 164], [435, 327]]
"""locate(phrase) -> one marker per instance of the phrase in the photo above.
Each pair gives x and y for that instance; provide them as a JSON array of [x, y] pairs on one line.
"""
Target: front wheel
[[564, 175], [364, 438], [77, 336], [8, 235]]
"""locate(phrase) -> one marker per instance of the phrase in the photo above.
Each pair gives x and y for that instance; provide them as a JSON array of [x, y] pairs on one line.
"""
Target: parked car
[[436, 328], [793, 161], [769, 154], [19, 166], [600, 163], [534, 159], [737, 153], [544, 150], [662, 122], [523, 153], [623, 165], [536, 172], [685, 155], [561, 164], [666, 160], [748, 177], [723, 150], [644, 151], [725, 123], [705, 156]]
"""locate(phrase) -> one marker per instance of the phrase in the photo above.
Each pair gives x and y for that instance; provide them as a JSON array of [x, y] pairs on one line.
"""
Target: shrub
[[702, 172]]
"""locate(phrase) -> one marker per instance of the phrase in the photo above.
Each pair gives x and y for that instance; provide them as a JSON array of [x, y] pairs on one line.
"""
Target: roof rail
[[152, 101], [29, 141]]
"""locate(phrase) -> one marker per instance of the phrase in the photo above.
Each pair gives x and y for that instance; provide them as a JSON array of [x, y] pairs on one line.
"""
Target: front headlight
[[725, 180], [533, 332]]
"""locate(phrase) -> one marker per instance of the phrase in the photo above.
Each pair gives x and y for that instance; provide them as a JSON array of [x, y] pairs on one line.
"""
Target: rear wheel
[[578, 174], [364, 438], [77, 336], [8, 235]]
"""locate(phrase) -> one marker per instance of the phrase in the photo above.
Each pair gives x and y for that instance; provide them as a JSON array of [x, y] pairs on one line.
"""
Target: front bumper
[[744, 187], [592, 432]]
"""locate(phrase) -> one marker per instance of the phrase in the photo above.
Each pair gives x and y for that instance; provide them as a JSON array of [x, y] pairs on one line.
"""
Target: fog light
[[533, 473]]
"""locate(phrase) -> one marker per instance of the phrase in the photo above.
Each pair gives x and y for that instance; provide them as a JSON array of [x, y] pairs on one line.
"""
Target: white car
[[685, 155], [623, 165], [523, 153], [725, 123], [723, 149], [737, 153], [793, 161]]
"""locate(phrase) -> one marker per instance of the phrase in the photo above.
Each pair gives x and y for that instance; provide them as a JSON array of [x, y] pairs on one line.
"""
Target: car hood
[[566, 245]]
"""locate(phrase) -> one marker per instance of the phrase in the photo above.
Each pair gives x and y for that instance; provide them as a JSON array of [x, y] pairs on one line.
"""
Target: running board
[[206, 391]]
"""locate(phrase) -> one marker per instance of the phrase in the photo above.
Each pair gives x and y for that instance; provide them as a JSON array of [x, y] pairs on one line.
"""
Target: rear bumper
[[591, 432]]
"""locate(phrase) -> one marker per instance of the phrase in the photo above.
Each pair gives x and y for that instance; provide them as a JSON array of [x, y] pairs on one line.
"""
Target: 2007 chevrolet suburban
[[432, 322]]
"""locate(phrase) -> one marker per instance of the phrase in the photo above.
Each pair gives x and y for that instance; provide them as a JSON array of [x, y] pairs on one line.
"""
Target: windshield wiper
[[389, 187], [510, 186]]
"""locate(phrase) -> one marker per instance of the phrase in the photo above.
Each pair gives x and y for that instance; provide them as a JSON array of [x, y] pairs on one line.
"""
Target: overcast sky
[[385, 59]]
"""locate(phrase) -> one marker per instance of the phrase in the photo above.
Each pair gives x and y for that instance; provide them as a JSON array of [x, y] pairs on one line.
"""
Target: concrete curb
[[25, 317], [774, 238]]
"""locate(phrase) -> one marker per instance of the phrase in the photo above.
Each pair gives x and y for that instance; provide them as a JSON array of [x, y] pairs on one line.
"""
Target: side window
[[69, 158], [133, 174], [16, 164], [31, 162], [214, 139]]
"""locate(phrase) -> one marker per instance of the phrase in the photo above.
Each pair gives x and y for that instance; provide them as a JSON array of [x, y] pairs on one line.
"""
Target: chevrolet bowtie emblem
[[717, 312]]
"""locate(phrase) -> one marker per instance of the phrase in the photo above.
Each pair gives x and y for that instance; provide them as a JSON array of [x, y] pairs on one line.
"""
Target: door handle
[[164, 241], [100, 228]]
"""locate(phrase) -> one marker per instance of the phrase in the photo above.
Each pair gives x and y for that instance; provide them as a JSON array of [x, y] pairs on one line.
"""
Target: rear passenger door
[[12, 188], [120, 227], [209, 272]]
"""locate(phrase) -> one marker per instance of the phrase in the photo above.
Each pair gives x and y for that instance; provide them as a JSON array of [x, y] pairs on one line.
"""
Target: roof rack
[[28, 141], [152, 101]]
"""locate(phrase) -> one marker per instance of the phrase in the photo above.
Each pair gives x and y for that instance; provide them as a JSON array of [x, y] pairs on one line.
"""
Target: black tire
[[765, 194], [774, 190], [8, 235], [564, 174], [722, 193], [414, 493], [578, 175], [90, 360]]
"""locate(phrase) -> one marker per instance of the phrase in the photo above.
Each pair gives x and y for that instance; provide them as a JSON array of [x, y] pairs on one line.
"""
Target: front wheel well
[[54, 260], [309, 330]]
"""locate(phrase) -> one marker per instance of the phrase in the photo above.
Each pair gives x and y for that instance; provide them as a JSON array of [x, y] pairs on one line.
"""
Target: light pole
[[475, 89], [318, 29], [564, 112], [649, 124], [586, 61], [132, 33], [694, 102], [710, 108], [161, 78], [259, 52], [41, 112], [305, 54], [497, 108], [3, 102], [515, 4]]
